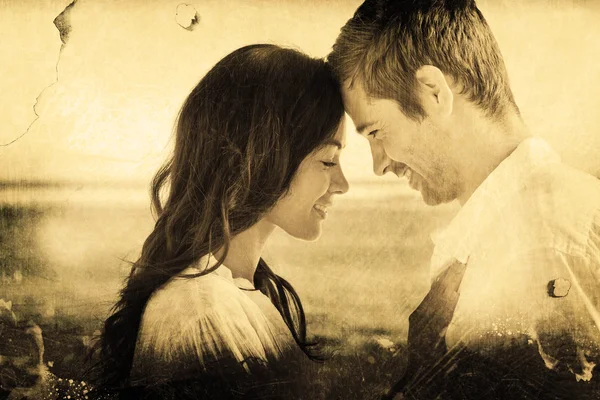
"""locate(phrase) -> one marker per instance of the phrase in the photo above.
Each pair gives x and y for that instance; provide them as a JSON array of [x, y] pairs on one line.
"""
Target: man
[[513, 310]]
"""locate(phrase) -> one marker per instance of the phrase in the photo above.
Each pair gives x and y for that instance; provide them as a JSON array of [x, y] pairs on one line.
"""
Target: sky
[[101, 107]]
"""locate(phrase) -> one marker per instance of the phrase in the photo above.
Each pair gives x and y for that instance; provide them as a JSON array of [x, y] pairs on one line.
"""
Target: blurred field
[[359, 282]]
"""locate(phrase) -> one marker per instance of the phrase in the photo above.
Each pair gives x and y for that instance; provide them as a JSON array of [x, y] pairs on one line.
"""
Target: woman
[[257, 147]]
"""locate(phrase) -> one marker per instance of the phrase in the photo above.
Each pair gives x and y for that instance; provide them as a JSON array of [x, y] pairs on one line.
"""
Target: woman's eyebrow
[[333, 142]]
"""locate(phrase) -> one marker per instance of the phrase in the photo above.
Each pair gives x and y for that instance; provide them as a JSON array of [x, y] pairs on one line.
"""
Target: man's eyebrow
[[362, 127]]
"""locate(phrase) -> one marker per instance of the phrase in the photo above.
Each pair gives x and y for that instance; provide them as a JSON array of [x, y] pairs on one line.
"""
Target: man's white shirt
[[530, 235]]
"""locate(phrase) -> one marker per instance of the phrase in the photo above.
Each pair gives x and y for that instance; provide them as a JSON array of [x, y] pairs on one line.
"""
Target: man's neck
[[490, 144]]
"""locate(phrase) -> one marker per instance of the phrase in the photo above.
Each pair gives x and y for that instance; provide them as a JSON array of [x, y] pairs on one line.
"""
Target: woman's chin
[[308, 235], [312, 238]]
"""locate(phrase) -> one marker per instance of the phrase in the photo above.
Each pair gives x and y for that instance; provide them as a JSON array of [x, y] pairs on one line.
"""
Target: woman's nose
[[339, 184]]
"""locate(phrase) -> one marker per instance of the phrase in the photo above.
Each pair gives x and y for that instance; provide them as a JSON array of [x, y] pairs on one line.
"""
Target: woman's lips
[[321, 210]]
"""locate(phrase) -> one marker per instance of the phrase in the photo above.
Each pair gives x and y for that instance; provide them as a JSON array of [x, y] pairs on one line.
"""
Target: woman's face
[[303, 209]]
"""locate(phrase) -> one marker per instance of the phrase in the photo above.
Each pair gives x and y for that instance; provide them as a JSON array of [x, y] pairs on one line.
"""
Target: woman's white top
[[192, 323]]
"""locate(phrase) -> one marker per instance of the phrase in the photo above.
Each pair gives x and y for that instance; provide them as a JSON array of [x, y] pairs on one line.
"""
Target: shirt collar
[[458, 240]]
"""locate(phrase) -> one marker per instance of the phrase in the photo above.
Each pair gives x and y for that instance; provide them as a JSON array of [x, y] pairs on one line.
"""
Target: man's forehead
[[359, 105], [355, 91]]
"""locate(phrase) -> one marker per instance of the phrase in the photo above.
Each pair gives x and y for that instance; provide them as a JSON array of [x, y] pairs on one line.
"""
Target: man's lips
[[401, 170]]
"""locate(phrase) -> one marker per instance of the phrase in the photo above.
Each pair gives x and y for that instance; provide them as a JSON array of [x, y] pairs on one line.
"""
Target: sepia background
[[86, 117]]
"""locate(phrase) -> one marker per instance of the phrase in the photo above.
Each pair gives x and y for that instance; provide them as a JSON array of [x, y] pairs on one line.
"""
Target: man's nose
[[380, 160]]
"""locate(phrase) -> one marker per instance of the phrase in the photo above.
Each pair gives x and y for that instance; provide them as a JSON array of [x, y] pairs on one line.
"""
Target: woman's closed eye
[[329, 164]]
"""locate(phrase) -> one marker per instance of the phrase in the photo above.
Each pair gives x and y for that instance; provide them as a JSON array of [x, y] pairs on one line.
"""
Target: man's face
[[420, 151]]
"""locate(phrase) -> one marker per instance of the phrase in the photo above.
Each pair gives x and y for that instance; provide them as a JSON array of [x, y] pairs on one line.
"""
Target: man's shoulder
[[558, 177], [556, 205], [559, 188]]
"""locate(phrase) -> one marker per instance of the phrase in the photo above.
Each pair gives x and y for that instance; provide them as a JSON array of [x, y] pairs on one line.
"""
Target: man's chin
[[434, 199]]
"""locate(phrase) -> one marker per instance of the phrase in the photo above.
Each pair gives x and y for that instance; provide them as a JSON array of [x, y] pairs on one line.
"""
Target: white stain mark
[[559, 287], [186, 16], [586, 367], [549, 361]]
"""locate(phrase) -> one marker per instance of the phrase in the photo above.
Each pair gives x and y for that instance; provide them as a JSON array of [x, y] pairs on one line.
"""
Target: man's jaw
[[416, 182]]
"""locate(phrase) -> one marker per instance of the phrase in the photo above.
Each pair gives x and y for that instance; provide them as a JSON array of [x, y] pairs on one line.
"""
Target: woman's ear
[[436, 96]]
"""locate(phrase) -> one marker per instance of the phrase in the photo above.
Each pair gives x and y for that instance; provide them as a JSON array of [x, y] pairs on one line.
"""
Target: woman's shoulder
[[205, 319], [190, 303], [189, 295]]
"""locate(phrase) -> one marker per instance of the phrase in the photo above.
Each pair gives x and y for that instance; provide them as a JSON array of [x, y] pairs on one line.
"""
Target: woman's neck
[[246, 249]]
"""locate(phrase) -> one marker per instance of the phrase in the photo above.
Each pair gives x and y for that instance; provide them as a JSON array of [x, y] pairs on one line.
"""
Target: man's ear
[[436, 96]]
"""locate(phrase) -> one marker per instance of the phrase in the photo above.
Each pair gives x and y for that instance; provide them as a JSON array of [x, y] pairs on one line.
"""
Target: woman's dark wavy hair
[[240, 138]]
